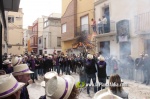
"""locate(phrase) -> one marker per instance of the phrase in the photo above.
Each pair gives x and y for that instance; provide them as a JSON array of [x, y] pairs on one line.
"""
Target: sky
[[34, 9]]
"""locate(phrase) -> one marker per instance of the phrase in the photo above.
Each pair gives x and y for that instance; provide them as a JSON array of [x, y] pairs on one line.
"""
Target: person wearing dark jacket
[[146, 69], [32, 67], [101, 68], [90, 71], [41, 63]]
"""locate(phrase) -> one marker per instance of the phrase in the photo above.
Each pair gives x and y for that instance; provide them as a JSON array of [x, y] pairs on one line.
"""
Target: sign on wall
[[123, 31]]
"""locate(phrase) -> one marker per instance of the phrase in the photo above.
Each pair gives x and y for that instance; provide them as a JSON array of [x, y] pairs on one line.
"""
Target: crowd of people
[[57, 69]]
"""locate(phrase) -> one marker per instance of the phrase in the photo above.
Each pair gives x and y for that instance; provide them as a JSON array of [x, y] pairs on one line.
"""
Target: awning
[[11, 5]]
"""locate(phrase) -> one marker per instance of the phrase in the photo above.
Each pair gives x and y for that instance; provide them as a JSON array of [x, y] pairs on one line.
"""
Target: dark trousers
[[67, 70], [89, 77], [33, 75], [102, 82]]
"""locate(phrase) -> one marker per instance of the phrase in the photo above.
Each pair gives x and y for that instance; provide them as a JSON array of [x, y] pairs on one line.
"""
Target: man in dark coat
[[90, 70], [146, 69], [101, 68]]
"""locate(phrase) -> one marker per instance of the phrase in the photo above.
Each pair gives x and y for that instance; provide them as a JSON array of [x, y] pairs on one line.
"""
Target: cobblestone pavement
[[135, 90]]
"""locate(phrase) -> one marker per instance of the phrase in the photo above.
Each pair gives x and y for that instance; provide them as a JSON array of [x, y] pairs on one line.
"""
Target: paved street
[[135, 90]]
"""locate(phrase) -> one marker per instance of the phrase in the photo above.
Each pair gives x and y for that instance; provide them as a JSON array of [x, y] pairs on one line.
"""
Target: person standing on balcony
[[104, 24], [100, 26], [93, 25]]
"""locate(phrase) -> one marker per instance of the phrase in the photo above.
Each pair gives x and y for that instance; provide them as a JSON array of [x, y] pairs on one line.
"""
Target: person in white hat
[[101, 69], [61, 88], [7, 66], [16, 60], [10, 87], [47, 76], [22, 74], [90, 70]]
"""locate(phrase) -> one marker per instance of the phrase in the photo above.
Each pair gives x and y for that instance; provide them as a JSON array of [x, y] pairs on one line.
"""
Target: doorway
[[105, 48], [40, 52], [125, 49], [147, 46], [107, 15]]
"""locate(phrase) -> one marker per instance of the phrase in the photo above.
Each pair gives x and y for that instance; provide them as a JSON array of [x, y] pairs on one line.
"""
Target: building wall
[[85, 7], [125, 9], [25, 39], [65, 4], [51, 31], [40, 27], [15, 33], [34, 37], [69, 17]]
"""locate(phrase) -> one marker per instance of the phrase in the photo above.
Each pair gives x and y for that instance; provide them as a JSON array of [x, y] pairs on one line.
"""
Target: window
[[84, 24], [39, 40], [44, 42], [10, 19], [63, 28], [18, 18], [46, 23], [58, 41]]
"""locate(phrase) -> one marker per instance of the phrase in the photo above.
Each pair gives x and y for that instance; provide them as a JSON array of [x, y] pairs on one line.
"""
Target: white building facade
[[52, 34], [126, 26]]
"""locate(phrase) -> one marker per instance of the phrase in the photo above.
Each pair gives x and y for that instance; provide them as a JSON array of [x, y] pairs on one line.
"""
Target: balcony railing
[[99, 29], [142, 23]]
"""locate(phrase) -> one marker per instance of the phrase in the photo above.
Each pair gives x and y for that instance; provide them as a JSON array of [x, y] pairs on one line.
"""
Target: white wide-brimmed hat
[[9, 85], [5, 62], [90, 56], [48, 76], [59, 87], [101, 58], [40, 56], [8, 56], [49, 56], [21, 70], [105, 94], [16, 60], [46, 55]]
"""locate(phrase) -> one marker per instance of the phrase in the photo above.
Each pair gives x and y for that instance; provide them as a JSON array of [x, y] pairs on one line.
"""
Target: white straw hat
[[8, 56], [48, 76], [90, 56], [101, 58], [105, 94], [9, 85], [21, 70], [59, 87], [6, 62], [16, 60]]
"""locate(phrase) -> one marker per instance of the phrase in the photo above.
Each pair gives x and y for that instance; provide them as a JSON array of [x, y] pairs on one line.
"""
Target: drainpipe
[[6, 47]]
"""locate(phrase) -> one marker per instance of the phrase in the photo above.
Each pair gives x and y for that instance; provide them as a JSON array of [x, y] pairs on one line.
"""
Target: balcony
[[98, 31], [142, 23], [86, 29]]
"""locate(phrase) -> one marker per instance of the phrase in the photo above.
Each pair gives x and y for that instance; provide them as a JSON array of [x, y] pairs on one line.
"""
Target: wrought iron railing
[[142, 23], [99, 29]]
